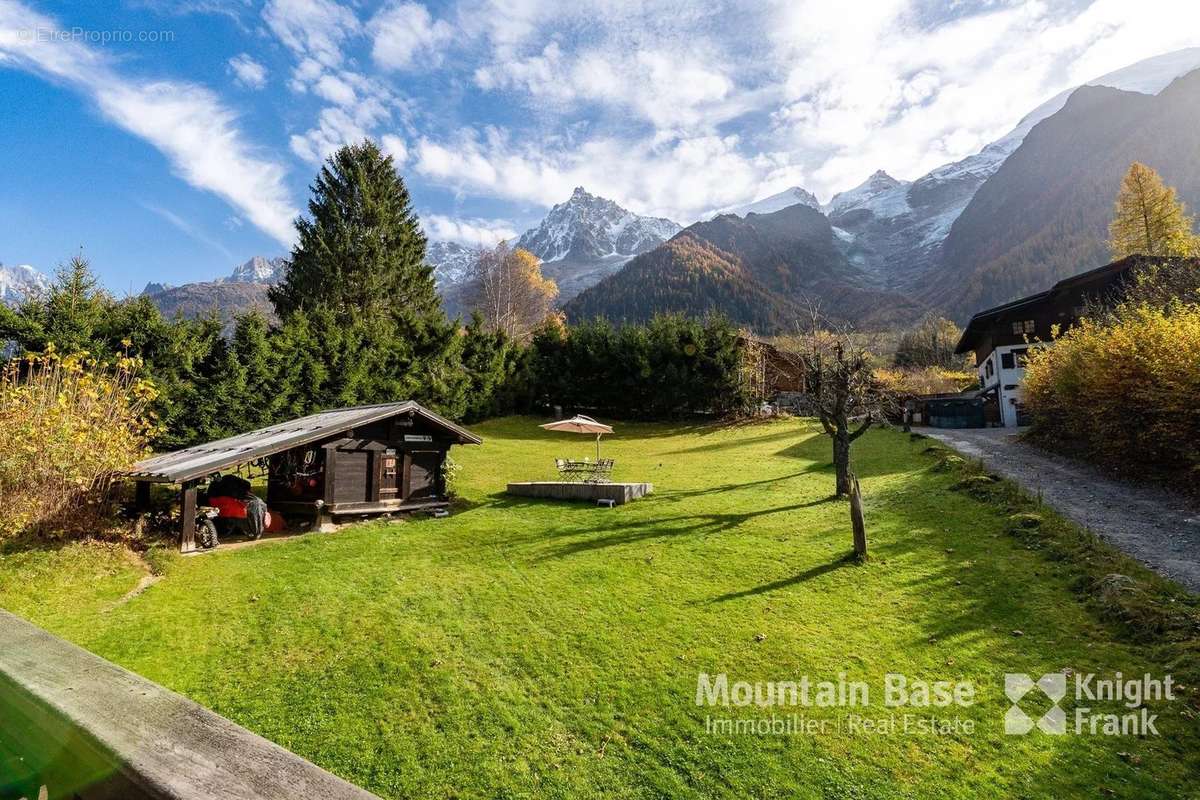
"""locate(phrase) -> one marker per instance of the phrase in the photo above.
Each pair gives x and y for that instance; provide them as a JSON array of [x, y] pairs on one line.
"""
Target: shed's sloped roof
[[205, 459]]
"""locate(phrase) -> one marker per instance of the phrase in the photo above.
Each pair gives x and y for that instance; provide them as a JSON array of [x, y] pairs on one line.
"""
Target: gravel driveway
[[1160, 529]]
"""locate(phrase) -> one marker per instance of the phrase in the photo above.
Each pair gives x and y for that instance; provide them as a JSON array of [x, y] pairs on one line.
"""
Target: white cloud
[[828, 92], [664, 87], [187, 123], [335, 90], [335, 127], [405, 33], [316, 29], [470, 231], [395, 147], [248, 72], [671, 64], [884, 88], [679, 179]]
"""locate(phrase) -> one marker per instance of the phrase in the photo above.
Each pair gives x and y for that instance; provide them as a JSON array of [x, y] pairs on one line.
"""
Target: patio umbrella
[[580, 424]]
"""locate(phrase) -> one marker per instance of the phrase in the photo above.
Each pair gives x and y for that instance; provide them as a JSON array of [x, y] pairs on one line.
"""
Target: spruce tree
[[358, 273], [304, 372], [360, 252], [1149, 220], [254, 352], [68, 315]]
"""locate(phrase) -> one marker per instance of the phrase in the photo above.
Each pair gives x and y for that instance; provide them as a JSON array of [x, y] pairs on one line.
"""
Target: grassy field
[[533, 649]]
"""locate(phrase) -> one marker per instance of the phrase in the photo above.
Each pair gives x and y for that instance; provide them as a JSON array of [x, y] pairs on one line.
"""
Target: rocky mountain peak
[[589, 228], [16, 283], [257, 270], [451, 261], [881, 194], [776, 202]]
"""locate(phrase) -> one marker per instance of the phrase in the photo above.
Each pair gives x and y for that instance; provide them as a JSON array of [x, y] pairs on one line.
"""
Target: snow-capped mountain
[[451, 262], [772, 203], [895, 229], [17, 282], [579, 242], [257, 270], [239, 291], [881, 194], [590, 228]]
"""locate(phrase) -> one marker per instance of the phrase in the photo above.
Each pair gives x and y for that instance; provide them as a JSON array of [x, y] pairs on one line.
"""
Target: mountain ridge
[[761, 270]]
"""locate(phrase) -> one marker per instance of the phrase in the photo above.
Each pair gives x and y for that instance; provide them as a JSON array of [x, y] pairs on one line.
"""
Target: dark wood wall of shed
[[351, 477], [419, 450], [353, 464]]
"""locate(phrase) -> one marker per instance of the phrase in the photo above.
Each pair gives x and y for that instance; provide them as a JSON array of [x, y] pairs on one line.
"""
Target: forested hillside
[[760, 271], [1044, 215]]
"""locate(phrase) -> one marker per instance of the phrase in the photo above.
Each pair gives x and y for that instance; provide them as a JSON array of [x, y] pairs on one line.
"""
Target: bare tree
[[842, 390], [507, 287]]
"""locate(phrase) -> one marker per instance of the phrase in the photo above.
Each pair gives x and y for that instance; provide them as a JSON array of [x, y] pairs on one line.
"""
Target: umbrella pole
[[598, 435]]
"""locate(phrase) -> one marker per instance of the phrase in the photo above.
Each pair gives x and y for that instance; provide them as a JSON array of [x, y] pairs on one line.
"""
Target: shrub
[[667, 368], [67, 425], [1123, 393], [907, 382]]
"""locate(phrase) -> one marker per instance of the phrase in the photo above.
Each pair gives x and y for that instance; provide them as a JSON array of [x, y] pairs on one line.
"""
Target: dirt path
[[1160, 529]]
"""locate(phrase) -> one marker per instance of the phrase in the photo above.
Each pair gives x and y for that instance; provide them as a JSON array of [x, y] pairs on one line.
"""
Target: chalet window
[[1006, 360], [1023, 326]]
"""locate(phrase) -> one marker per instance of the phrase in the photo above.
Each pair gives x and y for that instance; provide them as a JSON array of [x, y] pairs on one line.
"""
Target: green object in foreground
[[537, 649]]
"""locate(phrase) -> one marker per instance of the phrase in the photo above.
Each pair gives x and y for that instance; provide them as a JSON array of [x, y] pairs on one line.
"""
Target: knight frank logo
[[1053, 685], [1122, 700]]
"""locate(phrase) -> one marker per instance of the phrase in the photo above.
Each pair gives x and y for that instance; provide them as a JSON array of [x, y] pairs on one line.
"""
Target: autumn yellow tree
[[1149, 220], [507, 287]]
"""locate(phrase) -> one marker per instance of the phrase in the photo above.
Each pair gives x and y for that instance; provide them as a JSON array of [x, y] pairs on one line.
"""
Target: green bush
[[674, 365]]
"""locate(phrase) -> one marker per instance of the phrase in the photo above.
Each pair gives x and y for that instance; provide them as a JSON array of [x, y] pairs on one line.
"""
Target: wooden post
[[187, 517], [141, 495], [857, 521]]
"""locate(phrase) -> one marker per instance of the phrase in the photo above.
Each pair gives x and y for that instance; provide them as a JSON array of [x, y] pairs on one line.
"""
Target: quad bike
[[206, 528]]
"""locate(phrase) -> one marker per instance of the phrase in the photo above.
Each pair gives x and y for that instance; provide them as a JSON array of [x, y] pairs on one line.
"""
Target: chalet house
[[1001, 337], [342, 462]]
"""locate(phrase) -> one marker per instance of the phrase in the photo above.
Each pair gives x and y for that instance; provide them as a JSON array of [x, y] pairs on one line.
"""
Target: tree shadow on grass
[[868, 456], [808, 574], [742, 441], [624, 533], [677, 495]]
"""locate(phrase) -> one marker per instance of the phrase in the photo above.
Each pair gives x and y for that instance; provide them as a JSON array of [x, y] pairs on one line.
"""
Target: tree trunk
[[856, 520], [841, 461]]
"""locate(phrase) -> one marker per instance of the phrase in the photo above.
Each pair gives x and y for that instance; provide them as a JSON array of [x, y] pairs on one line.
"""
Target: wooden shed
[[361, 460]]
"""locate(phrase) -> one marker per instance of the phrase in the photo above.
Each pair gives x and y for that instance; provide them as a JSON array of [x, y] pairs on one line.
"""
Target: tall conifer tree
[[361, 252], [358, 274], [1149, 220]]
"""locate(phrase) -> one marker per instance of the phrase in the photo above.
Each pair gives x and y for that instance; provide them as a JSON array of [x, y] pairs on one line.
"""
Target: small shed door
[[389, 475], [422, 475]]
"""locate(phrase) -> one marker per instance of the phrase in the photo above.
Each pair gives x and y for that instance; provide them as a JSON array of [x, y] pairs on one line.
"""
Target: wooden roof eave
[[236, 458]]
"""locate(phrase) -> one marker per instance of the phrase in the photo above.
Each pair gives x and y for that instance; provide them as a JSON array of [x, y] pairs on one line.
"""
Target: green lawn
[[535, 649]]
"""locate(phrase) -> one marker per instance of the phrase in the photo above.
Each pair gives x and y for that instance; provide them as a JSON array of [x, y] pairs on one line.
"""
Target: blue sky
[[173, 139]]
